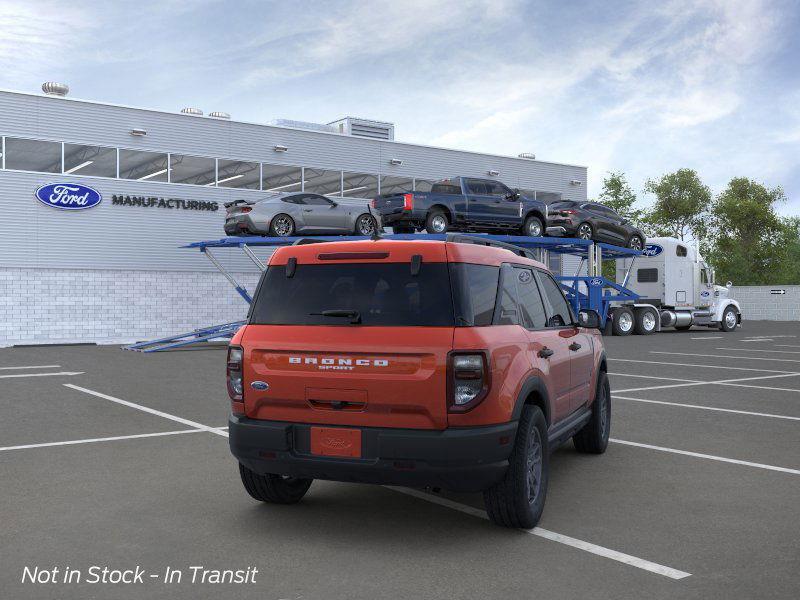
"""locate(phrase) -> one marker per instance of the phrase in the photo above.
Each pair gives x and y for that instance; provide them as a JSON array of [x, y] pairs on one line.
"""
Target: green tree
[[749, 243], [681, 205], [618, 195]]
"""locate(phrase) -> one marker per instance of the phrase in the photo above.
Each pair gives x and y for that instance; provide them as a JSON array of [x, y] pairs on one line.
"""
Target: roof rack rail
[[460, 238]]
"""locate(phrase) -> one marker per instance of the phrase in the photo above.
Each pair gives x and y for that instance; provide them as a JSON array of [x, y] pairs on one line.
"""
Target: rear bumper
[[244, 225], [462, 459]]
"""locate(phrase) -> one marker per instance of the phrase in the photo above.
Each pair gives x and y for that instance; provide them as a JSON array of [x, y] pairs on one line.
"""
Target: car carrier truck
[[676, 289]]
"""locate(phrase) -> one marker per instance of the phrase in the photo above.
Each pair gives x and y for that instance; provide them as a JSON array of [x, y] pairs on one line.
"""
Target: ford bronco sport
[[443, 364]]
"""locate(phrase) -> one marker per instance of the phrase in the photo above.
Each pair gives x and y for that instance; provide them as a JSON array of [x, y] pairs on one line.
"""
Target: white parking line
[[656, 377], [656, 362], [757, 340], [147, 409], [707, 456], [725, 356], [66, 373], [758, 350], [717, 382], [105, 439], [708, 337], [31, 367], [627, 559], [714, 408]]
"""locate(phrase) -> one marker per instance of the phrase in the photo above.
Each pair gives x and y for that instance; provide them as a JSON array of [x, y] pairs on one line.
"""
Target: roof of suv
[[368, 251]]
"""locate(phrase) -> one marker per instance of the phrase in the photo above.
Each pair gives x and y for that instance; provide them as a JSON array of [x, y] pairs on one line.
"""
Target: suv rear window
[[385, 294]]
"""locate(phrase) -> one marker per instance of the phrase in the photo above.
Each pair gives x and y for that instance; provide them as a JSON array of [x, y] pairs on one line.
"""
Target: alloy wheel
[[366, 225], [585, 232], [534, 228], [730, 319], [282, 226], [635, 243], [439, 224], [534, 465], [625, 321]]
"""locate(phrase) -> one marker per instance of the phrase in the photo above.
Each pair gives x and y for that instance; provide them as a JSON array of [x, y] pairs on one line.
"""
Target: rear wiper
[[353, 315]]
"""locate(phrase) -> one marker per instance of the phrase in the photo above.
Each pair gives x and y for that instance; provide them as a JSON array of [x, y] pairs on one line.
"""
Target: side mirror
[[729, 285], [589, 318], [334, 204]]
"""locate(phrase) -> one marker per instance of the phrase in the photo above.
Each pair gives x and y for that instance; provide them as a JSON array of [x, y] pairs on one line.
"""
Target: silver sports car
[[294, 213]]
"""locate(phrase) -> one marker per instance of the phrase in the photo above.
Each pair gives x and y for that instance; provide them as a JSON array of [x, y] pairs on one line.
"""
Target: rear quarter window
[[474, 293]]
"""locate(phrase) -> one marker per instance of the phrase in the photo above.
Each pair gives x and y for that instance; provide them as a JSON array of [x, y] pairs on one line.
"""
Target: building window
[[320, 181], [237, 174], [33, 155], [194, 170], [396, 185], [359, 185], [423, 185], [143, 166], [280, 178], [97, 161]]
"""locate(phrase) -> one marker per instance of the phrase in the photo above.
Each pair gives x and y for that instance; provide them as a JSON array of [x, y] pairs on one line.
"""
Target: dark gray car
[[287, 214]]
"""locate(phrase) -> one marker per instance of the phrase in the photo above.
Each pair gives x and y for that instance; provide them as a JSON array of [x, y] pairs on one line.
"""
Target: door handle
[[308, 210], [545, 352], [574, 346]]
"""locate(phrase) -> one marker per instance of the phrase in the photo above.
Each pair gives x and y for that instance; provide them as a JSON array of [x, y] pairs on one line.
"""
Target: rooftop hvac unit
[[527, 155], [303, 125], [51, 88], [377, 130], [192, 111], [219, 115]]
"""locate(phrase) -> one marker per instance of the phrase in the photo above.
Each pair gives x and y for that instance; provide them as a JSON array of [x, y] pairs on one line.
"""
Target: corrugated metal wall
[[124, 237]]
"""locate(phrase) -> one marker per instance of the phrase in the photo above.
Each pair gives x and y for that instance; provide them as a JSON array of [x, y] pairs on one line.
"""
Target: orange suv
[[444, 364]]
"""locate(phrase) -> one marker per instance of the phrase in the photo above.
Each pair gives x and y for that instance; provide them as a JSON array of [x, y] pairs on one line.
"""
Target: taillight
[[234, 371], [467, 380], [246, 209], [408, 201]]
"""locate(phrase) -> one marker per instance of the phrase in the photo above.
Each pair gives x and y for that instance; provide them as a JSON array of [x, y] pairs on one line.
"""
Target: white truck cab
[[676, 289]]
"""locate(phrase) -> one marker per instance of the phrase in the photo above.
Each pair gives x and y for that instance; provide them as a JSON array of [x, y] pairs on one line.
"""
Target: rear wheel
[[436, 222], [645, 322], [281, 226], [635, 243], [366, 225], [533, 227], [276, 489], [593, 437], [518, 500], [729, 319], [623, 321], [584, 231]]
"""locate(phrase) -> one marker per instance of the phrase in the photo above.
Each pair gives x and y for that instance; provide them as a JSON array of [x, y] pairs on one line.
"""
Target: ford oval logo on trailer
[[68, 196], [595, 282], [652, 250]]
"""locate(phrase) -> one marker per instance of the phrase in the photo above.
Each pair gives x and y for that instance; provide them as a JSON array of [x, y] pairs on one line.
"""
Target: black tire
[[509, 503], [729, 323], [433, 223], [533, 227], [275, 489], [623, 321], [636, 242], [593, 437], [645, 322], [403, 229], [276, 226], [366, 225], [584, 231]]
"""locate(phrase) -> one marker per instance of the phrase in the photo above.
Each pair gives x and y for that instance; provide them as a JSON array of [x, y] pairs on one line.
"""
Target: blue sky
[[641, 87]]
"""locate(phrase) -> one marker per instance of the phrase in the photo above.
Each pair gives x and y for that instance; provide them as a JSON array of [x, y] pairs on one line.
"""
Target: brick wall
[[758, 303], [48, 306]]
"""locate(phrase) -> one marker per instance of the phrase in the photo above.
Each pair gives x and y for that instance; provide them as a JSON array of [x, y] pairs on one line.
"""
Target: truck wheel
[[623, 321], [645, 323], [518, 499], [436, 222], [276, 489], [593, 437], [533, 227], [729, 320]]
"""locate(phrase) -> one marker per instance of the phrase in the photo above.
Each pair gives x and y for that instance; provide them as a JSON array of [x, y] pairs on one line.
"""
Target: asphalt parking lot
[[115, 458]]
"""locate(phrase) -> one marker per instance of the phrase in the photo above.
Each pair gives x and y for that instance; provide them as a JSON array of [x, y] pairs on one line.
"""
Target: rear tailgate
[[344, 375], [390, 204]]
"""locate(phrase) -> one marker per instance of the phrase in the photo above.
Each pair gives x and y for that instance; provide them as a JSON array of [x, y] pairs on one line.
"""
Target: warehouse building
[[115, 271]]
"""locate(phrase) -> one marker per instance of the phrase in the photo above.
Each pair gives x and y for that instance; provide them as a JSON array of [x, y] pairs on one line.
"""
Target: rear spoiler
[[239, 202]]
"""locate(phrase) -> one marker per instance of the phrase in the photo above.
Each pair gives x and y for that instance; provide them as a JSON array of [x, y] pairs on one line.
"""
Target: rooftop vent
[[303, 125], [51, 88], [377, 130], [219, 115], [527, 155], [192, 111]]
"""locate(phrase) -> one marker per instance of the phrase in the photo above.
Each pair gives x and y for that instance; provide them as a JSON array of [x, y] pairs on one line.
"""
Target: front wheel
[[593, 437], [623, 322], [533, 227], [635, 243], [366, 225], [729, 320], [436, 222], [275, 489], [518, 499], [281, 226]]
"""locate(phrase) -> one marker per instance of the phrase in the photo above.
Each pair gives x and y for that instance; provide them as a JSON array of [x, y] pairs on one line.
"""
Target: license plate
[[334, 441]]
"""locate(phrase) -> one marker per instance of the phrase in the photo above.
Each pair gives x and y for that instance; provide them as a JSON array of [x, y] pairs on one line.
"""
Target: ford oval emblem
[[705, 294], [652, 250], [68, 196], [596, 282], [259, 385]]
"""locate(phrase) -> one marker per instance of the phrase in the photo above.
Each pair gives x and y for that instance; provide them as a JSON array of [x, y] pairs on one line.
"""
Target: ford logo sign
[[68, 196], [595, 282], [652, 250], [705, 294]]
